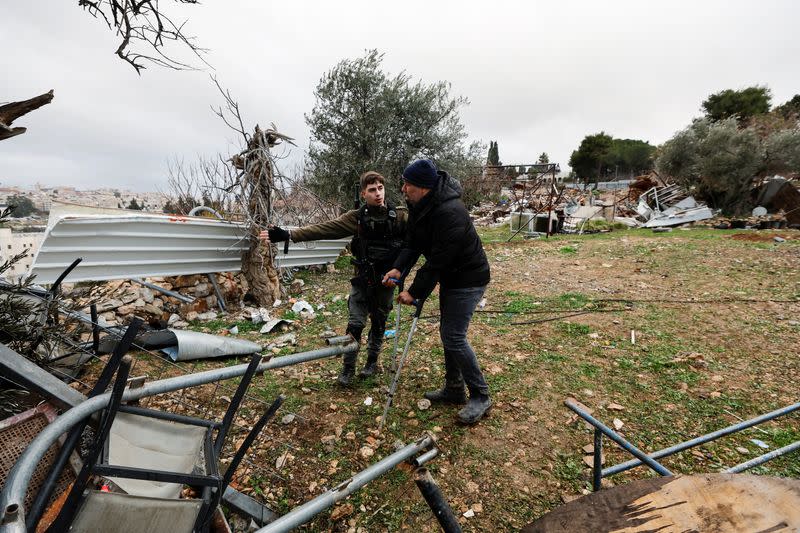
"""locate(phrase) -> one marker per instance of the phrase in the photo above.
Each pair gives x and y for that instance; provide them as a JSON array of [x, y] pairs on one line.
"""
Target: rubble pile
[[127, 298]]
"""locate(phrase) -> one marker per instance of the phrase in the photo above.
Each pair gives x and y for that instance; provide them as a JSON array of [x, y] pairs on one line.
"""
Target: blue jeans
[[460, 363]]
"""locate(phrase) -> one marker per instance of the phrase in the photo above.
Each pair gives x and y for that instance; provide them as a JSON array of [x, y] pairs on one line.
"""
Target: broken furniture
[[600, 429], [12, 505], [703, 503], [17, 432], [149, 455]]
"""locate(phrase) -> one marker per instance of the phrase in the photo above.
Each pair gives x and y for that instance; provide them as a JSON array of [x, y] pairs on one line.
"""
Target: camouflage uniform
[[378, 233]]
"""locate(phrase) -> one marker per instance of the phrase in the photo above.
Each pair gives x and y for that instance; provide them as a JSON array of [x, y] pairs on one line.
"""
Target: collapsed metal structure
[[600, 429]]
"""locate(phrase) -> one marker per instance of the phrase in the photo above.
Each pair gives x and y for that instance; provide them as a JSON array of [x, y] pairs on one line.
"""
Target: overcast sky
[[539, 75]]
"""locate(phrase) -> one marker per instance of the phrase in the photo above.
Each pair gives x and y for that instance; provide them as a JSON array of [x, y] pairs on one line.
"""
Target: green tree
[[365, 119], [721, 162], [590, 160], [135, 205], [629, 156], [494, 154], [22, 205], [790, 109], [544, 158], [741, 104]]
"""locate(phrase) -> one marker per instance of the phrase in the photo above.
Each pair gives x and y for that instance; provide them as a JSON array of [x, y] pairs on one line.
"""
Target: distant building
[[12, 243]]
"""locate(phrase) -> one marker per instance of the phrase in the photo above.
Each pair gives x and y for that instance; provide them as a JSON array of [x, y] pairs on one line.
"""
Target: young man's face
[[412, 193], [373, 194]]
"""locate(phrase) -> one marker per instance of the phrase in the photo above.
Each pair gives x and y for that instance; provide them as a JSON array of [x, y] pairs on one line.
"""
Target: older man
[[441, 230]]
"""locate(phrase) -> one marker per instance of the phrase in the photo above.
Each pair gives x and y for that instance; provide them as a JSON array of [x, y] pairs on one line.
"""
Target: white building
[[12, 244]]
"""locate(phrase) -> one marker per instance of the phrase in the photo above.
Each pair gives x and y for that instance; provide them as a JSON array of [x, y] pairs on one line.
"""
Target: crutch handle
[[418, 304]]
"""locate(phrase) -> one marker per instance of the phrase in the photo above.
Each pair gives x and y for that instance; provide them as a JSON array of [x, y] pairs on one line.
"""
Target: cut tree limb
[[12, 111]]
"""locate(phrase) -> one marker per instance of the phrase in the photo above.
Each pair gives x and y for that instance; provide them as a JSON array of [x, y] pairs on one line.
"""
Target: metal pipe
[[95, 330], [206, 209], [597, 464], [611, 434], [302, 514], [616, 469], [19, 477], [162, 290], [761, 459], [220, 298], [341, 339], [425, 457], [436, 501]]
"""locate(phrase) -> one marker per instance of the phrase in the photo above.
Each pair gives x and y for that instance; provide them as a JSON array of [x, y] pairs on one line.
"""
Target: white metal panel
[[146, 245], [310, 253], [121, 246]]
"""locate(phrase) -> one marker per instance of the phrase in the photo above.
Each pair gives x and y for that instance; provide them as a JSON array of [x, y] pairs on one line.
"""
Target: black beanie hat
[[422, 173]]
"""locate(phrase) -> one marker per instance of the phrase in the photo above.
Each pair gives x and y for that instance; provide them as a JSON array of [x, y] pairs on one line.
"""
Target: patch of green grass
[[573, 330], [572, 300], [343, 262], [568, 250], [520, 303], [569, 471]]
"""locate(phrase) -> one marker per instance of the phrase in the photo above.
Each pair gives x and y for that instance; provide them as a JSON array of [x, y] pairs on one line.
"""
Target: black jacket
[[439, 227]]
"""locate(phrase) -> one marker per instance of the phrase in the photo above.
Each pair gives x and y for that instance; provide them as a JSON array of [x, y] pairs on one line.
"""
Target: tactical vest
[[378, 239]]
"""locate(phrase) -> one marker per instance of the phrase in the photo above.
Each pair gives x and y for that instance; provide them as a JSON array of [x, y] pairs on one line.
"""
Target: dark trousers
[[373, 302], [461, 365]]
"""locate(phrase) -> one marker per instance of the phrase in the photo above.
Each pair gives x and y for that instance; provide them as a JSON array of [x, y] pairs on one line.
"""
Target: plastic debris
[[760, 443], [389, 333]]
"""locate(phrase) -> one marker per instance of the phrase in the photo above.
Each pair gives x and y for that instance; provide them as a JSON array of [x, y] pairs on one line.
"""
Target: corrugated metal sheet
[[311, 253], [147, 245]]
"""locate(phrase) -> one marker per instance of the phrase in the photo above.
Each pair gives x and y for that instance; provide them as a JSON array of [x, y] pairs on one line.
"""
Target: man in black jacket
[[439, 227]]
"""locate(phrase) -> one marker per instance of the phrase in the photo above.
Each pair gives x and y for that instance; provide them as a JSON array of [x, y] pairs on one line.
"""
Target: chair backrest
[[112, 512]]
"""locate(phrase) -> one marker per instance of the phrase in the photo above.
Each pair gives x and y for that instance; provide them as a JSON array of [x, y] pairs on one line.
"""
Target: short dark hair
[[369, 177]]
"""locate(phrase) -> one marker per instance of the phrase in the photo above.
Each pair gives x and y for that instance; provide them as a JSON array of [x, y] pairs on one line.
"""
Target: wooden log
[[12, 111]]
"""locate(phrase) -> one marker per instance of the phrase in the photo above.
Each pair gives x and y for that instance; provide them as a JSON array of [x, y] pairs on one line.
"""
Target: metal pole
[[597, 465], [402, 361], [616, 469], [397, 326], [761, 459], [611, 434], [307, 511], [19, 477], [436, 501], [162, 290], [95, 330], [220, 298]]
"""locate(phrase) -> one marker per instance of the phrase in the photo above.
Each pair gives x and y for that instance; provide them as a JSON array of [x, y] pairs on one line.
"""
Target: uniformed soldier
[[378, 230]]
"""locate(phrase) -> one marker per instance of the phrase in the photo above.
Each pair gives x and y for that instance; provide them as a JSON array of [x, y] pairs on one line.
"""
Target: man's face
[[412, 193], [373, 194]]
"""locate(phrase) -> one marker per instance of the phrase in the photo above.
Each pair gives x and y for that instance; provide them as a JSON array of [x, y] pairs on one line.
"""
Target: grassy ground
[[714, 319]]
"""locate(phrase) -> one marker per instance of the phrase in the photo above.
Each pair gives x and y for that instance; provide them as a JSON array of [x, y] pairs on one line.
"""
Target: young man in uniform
[[440, 229], [378, 230]]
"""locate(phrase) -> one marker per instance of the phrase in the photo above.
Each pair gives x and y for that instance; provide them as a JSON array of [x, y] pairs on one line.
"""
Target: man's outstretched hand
[[274, 234]]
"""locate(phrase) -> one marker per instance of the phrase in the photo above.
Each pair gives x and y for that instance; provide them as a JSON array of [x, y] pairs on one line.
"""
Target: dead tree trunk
[[12, 111], [257, 180]]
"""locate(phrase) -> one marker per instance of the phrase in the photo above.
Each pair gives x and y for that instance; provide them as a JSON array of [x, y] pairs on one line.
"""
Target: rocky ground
[[666, 336]]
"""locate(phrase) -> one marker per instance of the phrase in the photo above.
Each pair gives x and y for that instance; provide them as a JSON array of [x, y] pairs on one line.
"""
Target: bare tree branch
[[13, 110], [142, 26]]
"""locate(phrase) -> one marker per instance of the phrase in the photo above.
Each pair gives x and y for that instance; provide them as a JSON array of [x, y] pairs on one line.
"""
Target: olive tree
[[366, 119]]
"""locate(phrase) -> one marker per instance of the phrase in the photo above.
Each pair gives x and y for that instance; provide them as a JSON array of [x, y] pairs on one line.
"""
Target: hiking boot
[[370, 369], [345, 379], [447, 395], [477, 407]]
